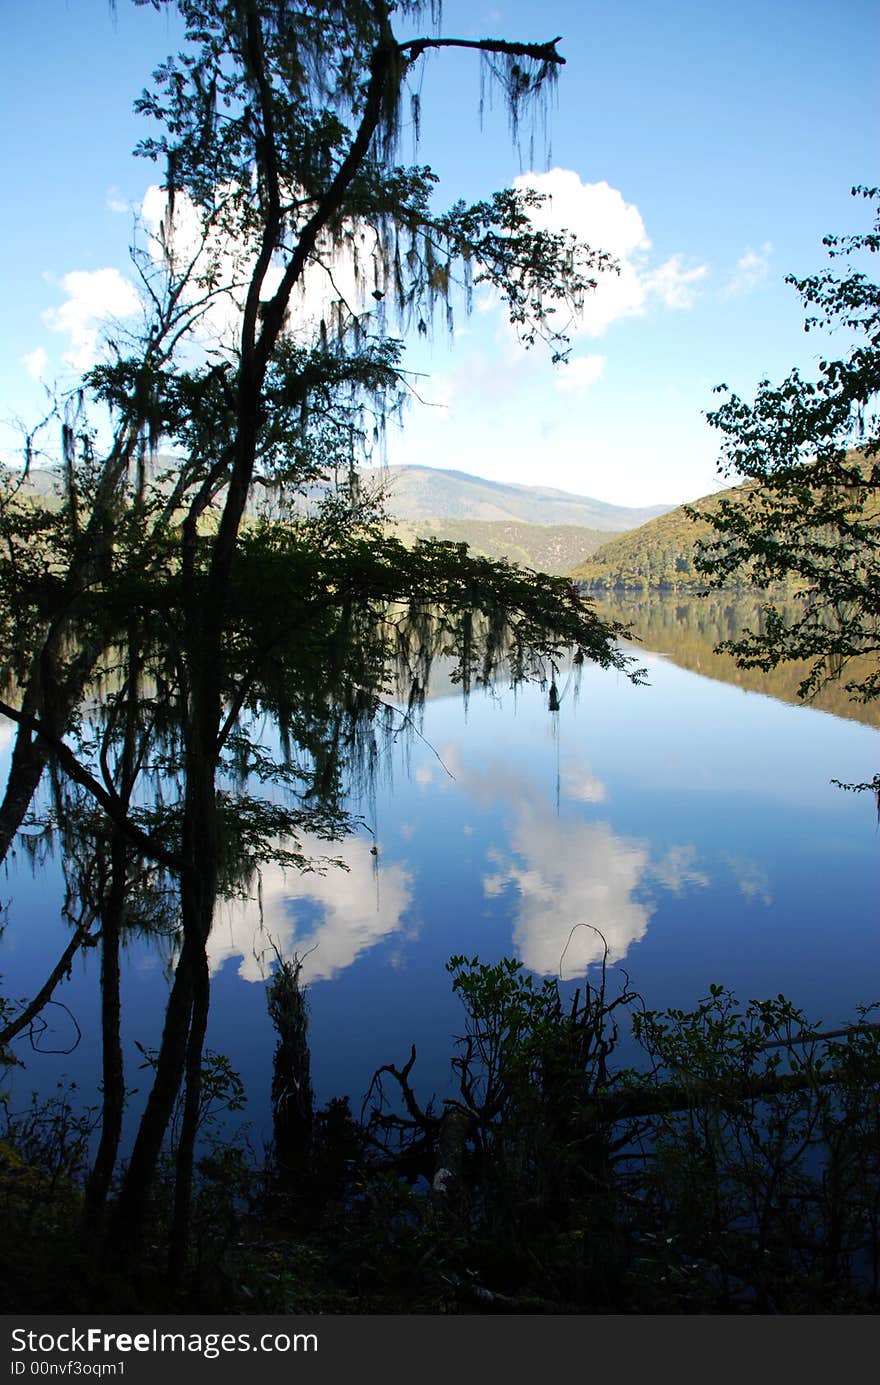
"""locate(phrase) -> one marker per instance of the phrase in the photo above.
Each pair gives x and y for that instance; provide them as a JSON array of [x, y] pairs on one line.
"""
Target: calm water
[[693, 822]]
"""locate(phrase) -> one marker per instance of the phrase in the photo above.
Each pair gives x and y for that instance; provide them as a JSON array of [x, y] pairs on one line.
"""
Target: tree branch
[[81, 938], [109, 800], [542, 52]]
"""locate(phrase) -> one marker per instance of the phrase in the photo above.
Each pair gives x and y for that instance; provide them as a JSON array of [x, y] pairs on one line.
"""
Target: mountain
[[554, 548], [39, 481], [533, 526], [422, 492], [657, 554]]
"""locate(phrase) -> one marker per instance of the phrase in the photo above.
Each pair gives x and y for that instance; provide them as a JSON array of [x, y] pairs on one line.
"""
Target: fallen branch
[[81, 938]]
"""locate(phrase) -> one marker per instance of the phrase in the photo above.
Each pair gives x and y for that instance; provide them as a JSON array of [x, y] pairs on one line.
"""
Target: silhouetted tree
[[276, 126], [810, 516]]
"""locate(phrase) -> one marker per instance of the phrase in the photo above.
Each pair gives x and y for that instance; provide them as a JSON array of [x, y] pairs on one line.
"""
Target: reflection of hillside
[[687, 629]]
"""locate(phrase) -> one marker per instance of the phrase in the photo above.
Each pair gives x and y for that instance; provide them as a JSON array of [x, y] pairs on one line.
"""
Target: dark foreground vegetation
[[737, 1171]]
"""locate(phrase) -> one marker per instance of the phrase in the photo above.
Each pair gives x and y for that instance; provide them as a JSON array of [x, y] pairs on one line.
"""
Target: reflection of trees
[[305, 682], [687, 629], [300, 622]]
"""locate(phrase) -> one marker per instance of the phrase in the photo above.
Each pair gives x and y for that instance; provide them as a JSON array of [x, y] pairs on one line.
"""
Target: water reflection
[[564, 871], [751, 880], [565, 874], [579, 783], [696, 827], [567, 877], [327, 919], [687, 628]]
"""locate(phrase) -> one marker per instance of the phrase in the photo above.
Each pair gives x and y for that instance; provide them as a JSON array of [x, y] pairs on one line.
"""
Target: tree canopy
[[809, 513]]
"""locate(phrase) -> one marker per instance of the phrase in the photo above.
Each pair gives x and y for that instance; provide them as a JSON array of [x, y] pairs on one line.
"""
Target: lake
[[692, 822]]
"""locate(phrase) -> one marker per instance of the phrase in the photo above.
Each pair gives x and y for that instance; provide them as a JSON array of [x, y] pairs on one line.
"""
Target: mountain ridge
[[458, 494], [420, 492]]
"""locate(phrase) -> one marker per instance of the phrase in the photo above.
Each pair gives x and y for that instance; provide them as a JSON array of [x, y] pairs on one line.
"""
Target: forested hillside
[[657, 554], [554, 548]]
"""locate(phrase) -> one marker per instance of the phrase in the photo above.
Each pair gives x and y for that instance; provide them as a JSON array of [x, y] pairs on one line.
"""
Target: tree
[[810, 513], [276, 128]]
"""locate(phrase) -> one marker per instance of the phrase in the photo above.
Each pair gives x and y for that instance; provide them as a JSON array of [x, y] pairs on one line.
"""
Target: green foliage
[[764, 1182], [221, 1094], [811, 513], [553, 548], [49, 1138], [660, 554], [44, 1153], [733, 1170]]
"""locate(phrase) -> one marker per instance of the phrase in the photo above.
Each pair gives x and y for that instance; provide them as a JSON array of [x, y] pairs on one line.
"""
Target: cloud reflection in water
[[357, 907], [574, 879], [565, 874]]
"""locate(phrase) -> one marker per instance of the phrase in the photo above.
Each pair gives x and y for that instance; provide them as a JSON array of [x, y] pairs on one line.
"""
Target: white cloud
[[571, 879], [752, 880], [120, 205], [578, 374], [35, 363], [481, 378], [93, 297], [752, 269], [599, 215], [580, 783]]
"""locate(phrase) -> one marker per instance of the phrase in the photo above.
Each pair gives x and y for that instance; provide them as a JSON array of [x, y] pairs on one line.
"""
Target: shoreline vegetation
[[734, 1171]]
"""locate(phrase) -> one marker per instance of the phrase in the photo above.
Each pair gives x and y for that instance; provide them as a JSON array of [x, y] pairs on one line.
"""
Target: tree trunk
[[183, 1186], [131, 1209], [111, 1042], [28, 761]]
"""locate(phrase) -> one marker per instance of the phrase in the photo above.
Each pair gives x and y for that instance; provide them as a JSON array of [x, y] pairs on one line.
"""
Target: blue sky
[[710, 147]]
